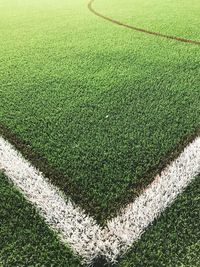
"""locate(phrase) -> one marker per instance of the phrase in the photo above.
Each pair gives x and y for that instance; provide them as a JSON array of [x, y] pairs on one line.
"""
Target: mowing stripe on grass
[[79, 230], [176, 38]]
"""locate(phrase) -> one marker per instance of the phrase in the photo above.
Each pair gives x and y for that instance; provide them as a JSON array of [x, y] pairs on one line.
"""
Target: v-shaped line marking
[[81, 232]]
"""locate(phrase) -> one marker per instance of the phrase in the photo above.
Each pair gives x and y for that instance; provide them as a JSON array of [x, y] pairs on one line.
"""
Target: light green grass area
[[103, 104], [25, 239], [178, 18], [174, 239]]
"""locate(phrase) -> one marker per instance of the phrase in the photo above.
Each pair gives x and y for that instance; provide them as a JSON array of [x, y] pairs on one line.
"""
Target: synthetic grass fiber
[[174, 239], [146, 31], [105, 106], [25, 239], [82, 233]]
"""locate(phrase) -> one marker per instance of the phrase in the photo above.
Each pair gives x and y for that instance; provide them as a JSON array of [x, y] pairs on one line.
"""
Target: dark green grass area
[[25, 239], [105, 106], [174, 239]]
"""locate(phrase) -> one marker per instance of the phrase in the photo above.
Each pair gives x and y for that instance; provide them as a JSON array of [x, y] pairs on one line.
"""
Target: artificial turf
[[175, 18], [104, 105], [25, 239], [174, 239]]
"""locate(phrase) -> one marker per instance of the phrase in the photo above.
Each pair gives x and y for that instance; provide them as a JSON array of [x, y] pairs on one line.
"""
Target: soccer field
[[103, 98]]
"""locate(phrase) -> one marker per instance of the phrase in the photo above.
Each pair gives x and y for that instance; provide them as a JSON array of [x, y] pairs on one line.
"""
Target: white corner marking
[[80, 231]]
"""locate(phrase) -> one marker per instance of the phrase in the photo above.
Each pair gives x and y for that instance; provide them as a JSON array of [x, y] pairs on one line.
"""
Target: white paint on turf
[[129, 226], [80, 231], [72, 224]]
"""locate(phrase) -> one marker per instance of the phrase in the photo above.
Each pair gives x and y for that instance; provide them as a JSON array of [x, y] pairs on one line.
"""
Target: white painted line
[[128, 227], [72, 224], [79, 230]]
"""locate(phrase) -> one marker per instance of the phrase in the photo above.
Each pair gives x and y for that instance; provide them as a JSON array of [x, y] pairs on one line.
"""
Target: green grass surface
[[103, 104], [178, 18], [25, 239], [174, 239]]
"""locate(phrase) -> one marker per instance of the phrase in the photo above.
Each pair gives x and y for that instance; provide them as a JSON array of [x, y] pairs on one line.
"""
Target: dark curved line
[[180, 39]]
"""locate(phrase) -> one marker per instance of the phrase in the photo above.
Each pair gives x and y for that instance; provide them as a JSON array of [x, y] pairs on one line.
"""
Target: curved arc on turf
[[175, 38], [80, 231]]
